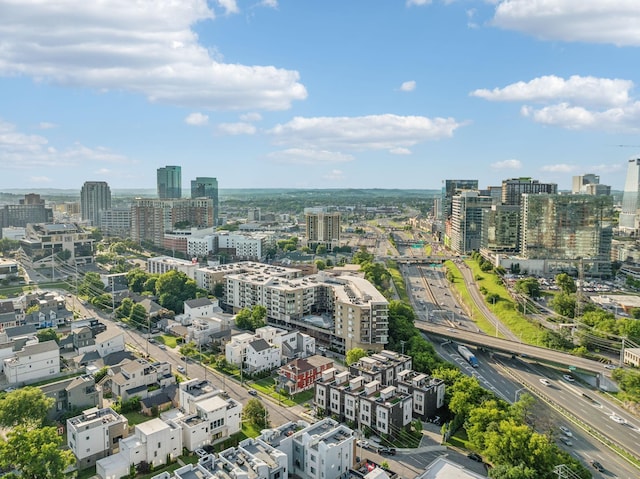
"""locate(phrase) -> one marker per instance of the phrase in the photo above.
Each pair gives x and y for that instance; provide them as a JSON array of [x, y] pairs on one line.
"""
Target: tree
[[218, 290], [35, 453], [173, 288], [138, 316], [91, 285], [251, 318], [354, 355], [136, 279], [566, 283], [26, 407], [47, 335], [528, 286], [321, 249], [102, 372], [321, 265], [564, 304], [255, 412], [124, 310]]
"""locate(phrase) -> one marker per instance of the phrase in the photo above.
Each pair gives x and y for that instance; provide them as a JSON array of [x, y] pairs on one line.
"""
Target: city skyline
[[283, 94]]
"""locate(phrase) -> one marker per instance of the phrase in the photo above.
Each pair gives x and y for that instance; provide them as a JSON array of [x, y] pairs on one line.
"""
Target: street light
[[515, 398]]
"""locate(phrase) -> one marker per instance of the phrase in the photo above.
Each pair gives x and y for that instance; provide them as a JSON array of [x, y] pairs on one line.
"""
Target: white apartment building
[[209, 276], [163, 264], [153, 441], [201, 246], [33, 362], [95, 434], [358, 312], [324, 450]]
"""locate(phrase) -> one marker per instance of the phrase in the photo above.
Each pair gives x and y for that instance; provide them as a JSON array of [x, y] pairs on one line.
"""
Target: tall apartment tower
[[468, 209], [514, 188], [95, 197], [629, 215], [322, 228], [206, 188], [451, 188], [170, 182]]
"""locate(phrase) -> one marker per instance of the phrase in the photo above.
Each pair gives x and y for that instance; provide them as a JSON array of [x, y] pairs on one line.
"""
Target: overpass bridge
[[421, 259], [486, 342]]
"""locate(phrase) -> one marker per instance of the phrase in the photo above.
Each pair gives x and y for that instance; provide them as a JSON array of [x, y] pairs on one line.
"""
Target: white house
[[109, 341], [292, 344], [235, 349], [199, 308], [202, 329], [95, 434], [33, 362], [135, 377], [153, 441], [261, 356]]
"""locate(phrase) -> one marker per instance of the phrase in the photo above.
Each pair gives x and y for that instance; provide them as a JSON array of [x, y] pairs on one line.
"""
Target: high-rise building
[[29, 210], [151, 219], [322, 228], [514, 188], [567, 228], [170, 182], [451, 188], [116, 222], [630, 197], [95, 197], [501, 225], [206, 188], [467, 210], [589, 184]]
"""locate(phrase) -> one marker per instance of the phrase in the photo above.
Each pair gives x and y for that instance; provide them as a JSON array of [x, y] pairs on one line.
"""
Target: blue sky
[[317, 94]]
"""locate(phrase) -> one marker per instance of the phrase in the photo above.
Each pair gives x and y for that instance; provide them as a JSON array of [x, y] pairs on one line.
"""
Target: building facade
[[203, 187], [514, 188], [468, 209], [322, 228], [33, 362], [116, 222], [630, 198], [169, 182], [95, 197], [452, 188]]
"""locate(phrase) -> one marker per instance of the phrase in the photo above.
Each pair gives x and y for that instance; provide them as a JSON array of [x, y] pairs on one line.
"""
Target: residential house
[[427, 392], [235, 350], [199, 308], [324, 450], [95, 434], [109, 341], [78, 393], [301, 374], [154, 442], [138, 378], [261, 356], [33, 362], [292, 344]]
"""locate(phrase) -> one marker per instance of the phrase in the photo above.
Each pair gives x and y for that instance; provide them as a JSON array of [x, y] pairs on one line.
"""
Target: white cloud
[[587, 90], [625, 118], [560, 168], [408, 86], [45, 125], [374, 132], [507, 165], [40, 179], [251, 117], [21, 151], [417, 3], [400, 151], [301, 156], [145, 47], [236, 129], [269, 3], [230, 6], [197, 119], [593, 21], [335, 175]]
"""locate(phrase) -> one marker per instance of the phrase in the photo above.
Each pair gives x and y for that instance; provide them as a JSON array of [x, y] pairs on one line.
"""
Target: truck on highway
[[468, 355]]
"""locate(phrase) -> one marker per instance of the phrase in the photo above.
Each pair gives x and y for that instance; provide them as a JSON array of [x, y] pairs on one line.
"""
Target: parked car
[[475, 457], [180, 369], [387, 450], [363, 443], [200, 452], [597, 466]]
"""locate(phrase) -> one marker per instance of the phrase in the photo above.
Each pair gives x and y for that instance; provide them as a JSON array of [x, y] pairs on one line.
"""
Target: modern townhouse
[[77, 393], [427, 392], [33, 362], [95, 434], [138, 378]]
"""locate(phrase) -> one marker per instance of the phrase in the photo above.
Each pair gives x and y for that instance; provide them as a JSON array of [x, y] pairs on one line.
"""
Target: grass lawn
[[168, 340], [505, 308], [136, 418], [398, 281], [85, 473], [476, 315]]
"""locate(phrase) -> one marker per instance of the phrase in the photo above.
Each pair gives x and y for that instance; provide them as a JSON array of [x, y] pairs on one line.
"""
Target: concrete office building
[[452, 188], [151, 219], [207, 188], [468, 209], [322, 228], [31, 209], [116, 222], [169, 182], [95, 197], [514, 188], [501, 228]]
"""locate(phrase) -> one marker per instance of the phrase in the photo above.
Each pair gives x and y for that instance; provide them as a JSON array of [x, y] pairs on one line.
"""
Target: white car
[[566, 431], [200, 452], [618, 419], [568, 378], [180, 369], [545, 381], [362, 443]]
